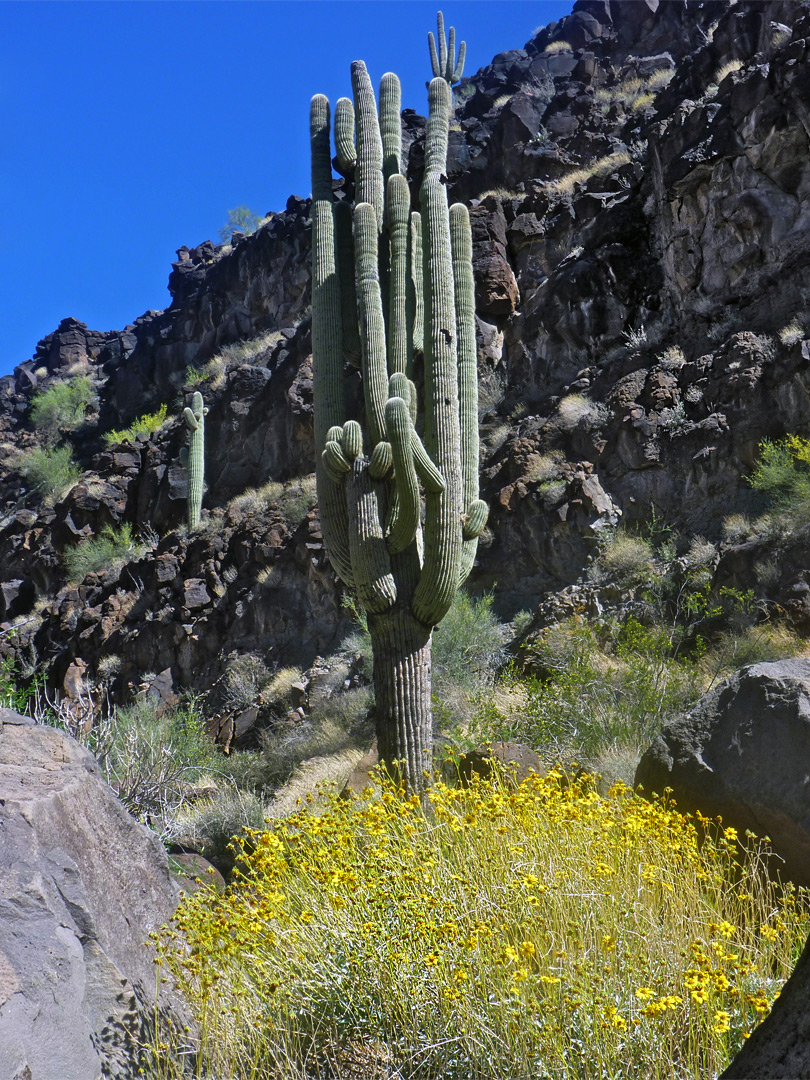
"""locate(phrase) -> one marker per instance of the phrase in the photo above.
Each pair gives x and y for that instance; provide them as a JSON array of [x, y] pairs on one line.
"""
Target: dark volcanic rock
[[742, 752], [81, 886]]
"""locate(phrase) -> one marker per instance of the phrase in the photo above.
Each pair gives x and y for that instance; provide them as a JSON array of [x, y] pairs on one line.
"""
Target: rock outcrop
[[742, 752], [779, 1049], [82, 884]]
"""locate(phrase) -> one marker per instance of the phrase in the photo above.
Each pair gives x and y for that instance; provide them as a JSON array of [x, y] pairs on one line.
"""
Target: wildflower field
[[497, 932]]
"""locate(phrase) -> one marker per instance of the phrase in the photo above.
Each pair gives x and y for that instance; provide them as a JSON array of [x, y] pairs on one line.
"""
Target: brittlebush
[[502, 931]]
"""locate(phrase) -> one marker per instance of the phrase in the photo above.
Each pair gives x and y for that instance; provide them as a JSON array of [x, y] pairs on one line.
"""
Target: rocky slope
[[639, 184]]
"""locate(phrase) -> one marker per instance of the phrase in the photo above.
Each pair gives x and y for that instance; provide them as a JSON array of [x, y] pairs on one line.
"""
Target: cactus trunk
[[401, 646]]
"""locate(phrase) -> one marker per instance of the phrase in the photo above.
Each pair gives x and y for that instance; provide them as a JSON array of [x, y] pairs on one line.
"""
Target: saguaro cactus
[[412, 278], [193, 457]]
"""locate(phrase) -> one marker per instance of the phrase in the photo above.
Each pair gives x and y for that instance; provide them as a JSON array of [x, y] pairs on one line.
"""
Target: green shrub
[[297, 500], [626, 558], [782, 475], [112, 548], [50, 470], [144, 425], [150, 758], [63, 406], [214, 821], [469, 643], [240, 219]]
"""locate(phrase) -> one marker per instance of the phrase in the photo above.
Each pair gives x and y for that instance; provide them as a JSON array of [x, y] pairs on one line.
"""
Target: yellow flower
[[608, 942], [644, 993], [730, 834], [722, 1022], [726, 930], [769, 933], [549, 980], [528, 948], [700, 996]]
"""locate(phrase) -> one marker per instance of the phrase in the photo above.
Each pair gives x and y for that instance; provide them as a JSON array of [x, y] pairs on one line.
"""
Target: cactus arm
[[391, 124], [195, 456], [373, 580], [425, 469], [398, 211], [475, 520], [381, 461], [344, 248], [418, 288], [345, 152], [439, 580], [462, 56], [464, 289], [368, 171], [372, 336], [327, 341], [335, 462], [434, 56], [450, 65], [190, 419], [352, 440], [184, 456], [406, 521], [442, 41]]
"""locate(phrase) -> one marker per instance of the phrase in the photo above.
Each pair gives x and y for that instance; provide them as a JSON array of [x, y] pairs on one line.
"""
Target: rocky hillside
[[639, 183]]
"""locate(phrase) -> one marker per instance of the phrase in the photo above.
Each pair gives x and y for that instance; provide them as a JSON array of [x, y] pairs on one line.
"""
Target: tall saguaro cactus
[[193, 457], [400, 511]]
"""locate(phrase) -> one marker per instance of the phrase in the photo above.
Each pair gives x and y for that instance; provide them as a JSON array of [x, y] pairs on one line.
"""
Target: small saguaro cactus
[[193, 457], [408, 278]]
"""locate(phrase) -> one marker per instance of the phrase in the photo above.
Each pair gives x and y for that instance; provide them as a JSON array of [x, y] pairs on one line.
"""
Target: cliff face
[[639, 184]]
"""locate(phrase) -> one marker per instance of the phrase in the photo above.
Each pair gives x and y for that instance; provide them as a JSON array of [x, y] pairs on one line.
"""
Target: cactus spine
[[194, 457], [414, 304]]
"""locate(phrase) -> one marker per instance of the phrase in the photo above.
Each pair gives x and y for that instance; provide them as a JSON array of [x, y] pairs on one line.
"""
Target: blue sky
[[131, 126]]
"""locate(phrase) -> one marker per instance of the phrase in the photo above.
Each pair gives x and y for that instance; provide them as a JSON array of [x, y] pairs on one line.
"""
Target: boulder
[[743, 752], [779, 1049], [81, 886], [514, 759]]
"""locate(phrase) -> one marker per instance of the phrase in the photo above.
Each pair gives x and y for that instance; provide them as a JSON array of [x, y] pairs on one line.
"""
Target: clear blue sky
[[131, 126]]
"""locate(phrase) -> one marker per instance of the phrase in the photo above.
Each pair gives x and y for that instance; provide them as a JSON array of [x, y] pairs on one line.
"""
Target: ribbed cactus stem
[[391, 124], [372, 326], [402, 529], [374, 582], [345, 152], [195, 457], [344, 252], [439, 580], [418, 287], [327, 340], [368, 177], [400, 342]]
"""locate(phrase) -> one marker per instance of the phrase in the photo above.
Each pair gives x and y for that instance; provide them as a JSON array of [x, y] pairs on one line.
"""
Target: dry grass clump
[[544, 468], [257, 500], [624, 557], [600, 167], [576, 407], [556, 47], [792, 333], [636, 92], [541, 927]]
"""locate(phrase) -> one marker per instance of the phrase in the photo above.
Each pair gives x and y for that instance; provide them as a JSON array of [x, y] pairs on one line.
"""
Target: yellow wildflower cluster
[[543, 927]]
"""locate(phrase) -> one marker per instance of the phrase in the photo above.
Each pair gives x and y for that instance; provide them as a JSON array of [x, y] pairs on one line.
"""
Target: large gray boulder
[[744, 752], [81, 886], [779, 1049]]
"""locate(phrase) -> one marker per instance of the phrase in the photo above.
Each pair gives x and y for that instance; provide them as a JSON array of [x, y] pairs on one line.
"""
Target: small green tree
[[240, 219]]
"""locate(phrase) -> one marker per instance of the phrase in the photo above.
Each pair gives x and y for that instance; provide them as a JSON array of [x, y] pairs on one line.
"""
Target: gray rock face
[[81, 886], [779, 1049], [744, 752]]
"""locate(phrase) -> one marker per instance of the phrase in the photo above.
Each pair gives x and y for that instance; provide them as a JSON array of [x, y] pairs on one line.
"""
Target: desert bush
[[624, 557], [792, 333], [297, 499], [469, 644], [147, 424], [257, 500], [62, 406], [523, 932], [602, 166], [246, 675], [556, 47], [108, 551], [150, 758], [214, 821], [50, 470], [240, 219], [782, 475]]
